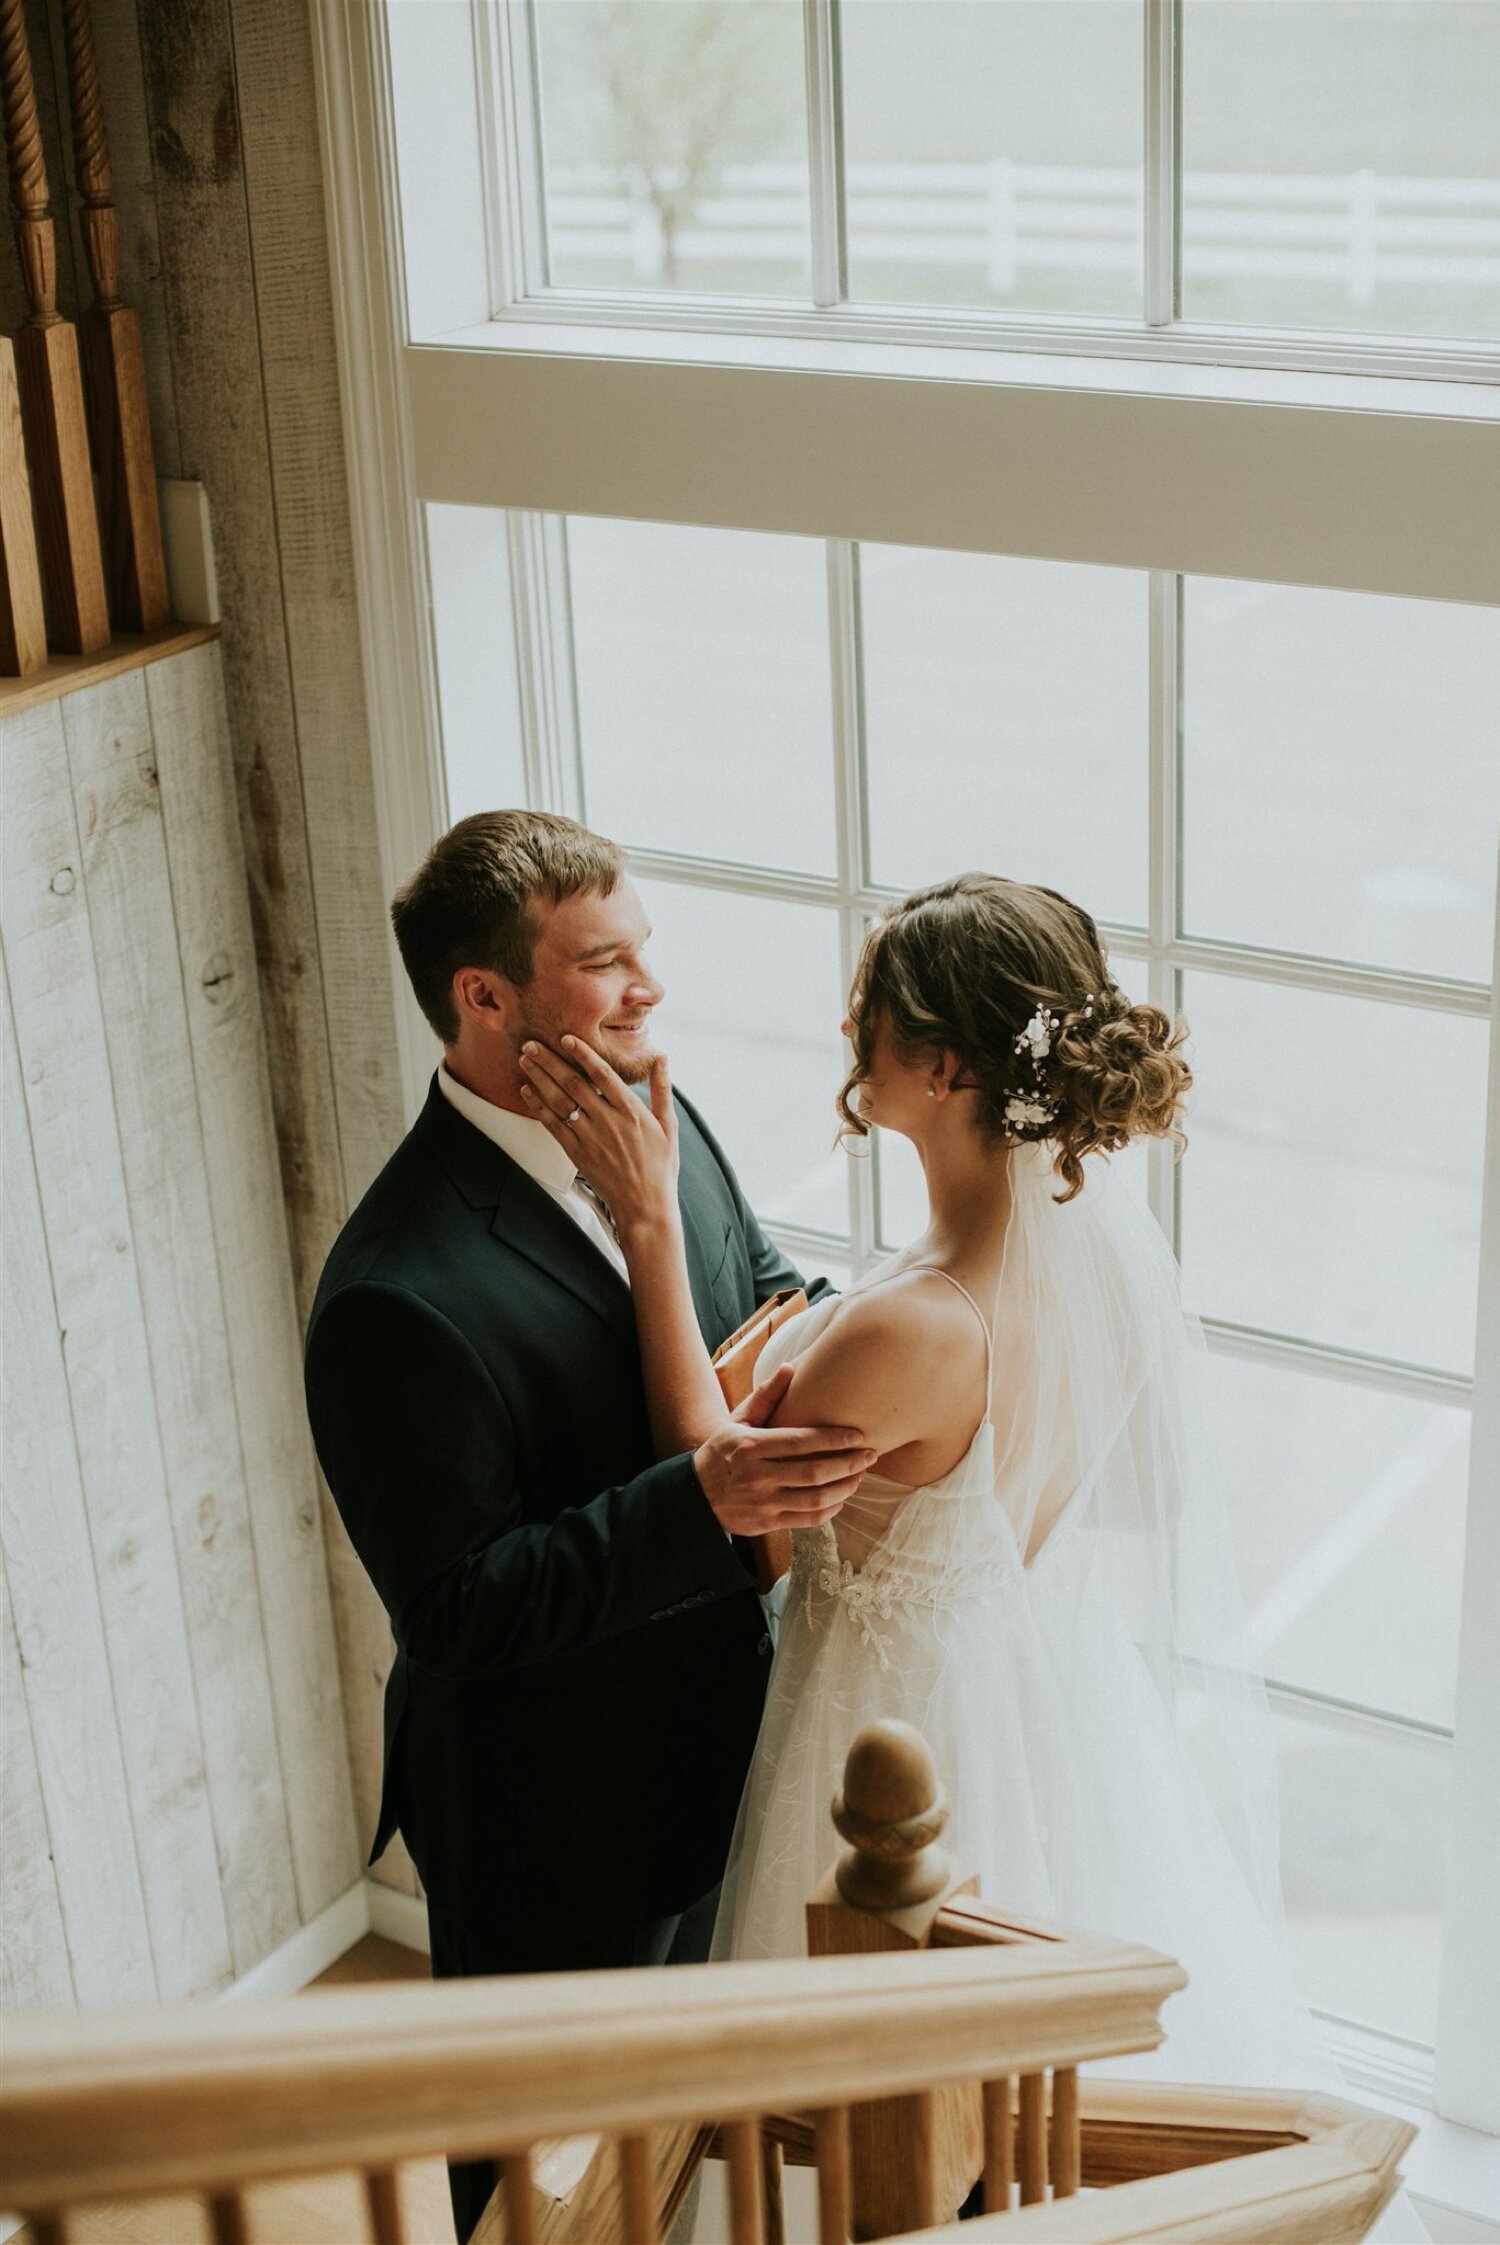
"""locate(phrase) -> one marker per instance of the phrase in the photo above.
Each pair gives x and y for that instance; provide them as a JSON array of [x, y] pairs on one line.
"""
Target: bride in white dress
[[1038, 1573]]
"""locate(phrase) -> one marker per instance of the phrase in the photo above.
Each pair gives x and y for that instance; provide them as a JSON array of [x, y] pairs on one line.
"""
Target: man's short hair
[[469, 903]]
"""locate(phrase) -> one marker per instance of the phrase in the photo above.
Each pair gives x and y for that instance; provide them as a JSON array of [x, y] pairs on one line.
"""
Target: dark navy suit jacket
[[580, 1654]]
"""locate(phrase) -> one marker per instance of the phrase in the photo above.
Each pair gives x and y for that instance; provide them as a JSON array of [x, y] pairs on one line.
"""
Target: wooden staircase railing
[[61, 587], [926, 2025]]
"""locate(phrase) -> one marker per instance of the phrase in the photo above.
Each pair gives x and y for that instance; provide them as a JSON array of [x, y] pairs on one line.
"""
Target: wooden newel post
[[47, 373], [114, 362], [913, 2159]]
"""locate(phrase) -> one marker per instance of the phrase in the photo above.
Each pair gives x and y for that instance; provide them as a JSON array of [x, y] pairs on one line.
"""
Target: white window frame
[[1338, 476], [519, 291]]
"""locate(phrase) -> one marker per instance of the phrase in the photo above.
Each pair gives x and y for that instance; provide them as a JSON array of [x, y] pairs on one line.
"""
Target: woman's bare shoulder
[[899, 1355]]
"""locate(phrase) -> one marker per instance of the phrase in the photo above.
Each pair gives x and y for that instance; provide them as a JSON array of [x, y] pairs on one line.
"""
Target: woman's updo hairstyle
[[967, 966]]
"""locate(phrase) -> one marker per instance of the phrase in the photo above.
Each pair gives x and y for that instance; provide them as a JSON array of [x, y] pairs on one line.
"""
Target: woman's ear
[[944, 1073]]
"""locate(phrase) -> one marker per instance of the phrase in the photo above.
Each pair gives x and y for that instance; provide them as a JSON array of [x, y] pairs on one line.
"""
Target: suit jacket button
[[765, 1644]]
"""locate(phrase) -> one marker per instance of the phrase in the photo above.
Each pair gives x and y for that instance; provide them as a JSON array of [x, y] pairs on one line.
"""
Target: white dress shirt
[[533, 1148]]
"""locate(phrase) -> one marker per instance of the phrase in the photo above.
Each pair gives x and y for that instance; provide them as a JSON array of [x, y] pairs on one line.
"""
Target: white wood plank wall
[[177, 1795], [214, 143]]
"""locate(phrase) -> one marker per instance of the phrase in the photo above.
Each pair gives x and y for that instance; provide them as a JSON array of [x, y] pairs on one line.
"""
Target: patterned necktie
[[598, 1203]]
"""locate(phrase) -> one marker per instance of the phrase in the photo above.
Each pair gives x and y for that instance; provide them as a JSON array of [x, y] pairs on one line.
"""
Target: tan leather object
[[734, 1362]]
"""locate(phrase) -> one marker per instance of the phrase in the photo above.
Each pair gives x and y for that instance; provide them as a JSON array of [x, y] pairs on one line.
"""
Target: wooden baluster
[[919, 2135], [114, 363], [23, 623], [913, 2159], [383, 2200], [48, 377], [689, 2148], [228, 2222], [831, 2135], [520, 2199], [1067, 2135], [638, 2191], [770, 2178], [742, 2151], [999, 2145], [1033, 2151]]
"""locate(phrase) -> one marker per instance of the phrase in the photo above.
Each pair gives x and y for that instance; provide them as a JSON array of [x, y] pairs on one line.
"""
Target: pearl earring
[[932, 1091]]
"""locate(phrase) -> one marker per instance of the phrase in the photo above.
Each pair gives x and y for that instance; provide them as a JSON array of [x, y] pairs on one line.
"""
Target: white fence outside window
[[1357, 229]]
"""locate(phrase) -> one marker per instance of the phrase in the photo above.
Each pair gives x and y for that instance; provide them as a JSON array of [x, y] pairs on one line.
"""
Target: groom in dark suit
[[580, 1652]]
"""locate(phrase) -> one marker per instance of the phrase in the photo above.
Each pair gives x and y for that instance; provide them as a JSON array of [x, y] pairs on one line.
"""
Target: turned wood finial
[[892, 1812], [95, 183], [28, 171]]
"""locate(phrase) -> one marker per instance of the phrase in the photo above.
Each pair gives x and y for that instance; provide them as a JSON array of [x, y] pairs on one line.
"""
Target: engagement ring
[[573, 1115]]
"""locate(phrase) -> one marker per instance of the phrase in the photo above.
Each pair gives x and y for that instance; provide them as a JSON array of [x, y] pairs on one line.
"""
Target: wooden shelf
[[68, 674]]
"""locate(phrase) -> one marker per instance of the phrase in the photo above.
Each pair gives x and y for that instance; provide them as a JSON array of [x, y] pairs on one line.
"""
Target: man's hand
[[758, 1477]]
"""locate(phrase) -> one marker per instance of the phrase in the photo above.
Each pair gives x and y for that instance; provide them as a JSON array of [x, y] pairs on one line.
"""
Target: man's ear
[[484, 1000]]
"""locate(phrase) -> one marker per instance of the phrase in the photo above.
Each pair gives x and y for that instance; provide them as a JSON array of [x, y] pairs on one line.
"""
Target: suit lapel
[[705, 1243], [529, 1221]]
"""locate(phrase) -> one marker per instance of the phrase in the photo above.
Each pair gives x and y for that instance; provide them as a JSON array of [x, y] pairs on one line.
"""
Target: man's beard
[[632, 1066]]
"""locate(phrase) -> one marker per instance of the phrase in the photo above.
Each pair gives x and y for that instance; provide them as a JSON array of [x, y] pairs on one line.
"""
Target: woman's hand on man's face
[[624, 1149]]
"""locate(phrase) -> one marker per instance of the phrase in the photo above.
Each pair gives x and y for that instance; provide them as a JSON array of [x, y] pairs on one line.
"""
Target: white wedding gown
[[1056, 1615]]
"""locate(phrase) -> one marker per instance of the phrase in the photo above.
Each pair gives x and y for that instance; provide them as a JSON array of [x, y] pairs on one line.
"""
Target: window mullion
[[848, 797], [1468, 2074], [1163, 167], [542, 614], [510, 153], [1325, 1361], [1163, 867], [825, 152]]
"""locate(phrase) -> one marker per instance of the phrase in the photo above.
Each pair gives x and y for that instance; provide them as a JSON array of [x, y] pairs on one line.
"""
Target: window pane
[[750, 1023], [675, 145], [994, 153], [1363, 1837], [703, 694], [1342, 774], [1331, 1185], [476, 659], [1006, 723], [1342, 165], [1349, 1513], [900, 1192]]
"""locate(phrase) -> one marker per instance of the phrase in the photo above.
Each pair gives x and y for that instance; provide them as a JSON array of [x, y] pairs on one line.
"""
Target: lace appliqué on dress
[[816, 1564], [869, 1595]]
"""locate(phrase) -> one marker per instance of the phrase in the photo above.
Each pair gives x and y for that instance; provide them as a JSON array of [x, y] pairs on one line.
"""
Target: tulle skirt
[[1071, 1795]]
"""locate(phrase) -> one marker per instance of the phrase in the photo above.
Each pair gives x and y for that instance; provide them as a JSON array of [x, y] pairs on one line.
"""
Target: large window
[[829, 443], [1329, 166], [788, 733]]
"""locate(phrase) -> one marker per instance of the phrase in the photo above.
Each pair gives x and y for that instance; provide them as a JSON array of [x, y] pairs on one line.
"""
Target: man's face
[[590, 979]]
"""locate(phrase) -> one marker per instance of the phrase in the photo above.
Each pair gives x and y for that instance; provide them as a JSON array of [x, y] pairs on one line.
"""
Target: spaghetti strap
[[908, 1270], [984, 1323]]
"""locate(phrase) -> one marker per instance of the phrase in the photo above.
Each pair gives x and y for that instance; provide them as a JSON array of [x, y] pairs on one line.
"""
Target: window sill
[[1121, 376], [1354, 481]]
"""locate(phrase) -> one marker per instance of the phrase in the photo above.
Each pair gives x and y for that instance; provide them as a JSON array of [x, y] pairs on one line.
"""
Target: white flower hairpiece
[[1037, 1108], [1034, 1109]]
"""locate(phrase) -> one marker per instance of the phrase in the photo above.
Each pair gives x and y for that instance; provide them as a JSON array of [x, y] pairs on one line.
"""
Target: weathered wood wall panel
[[217, 951], [112, 761], [75, 1140], [213, 135], [176, 1656], [33, 1946], [229, 95], [68, 1705]]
